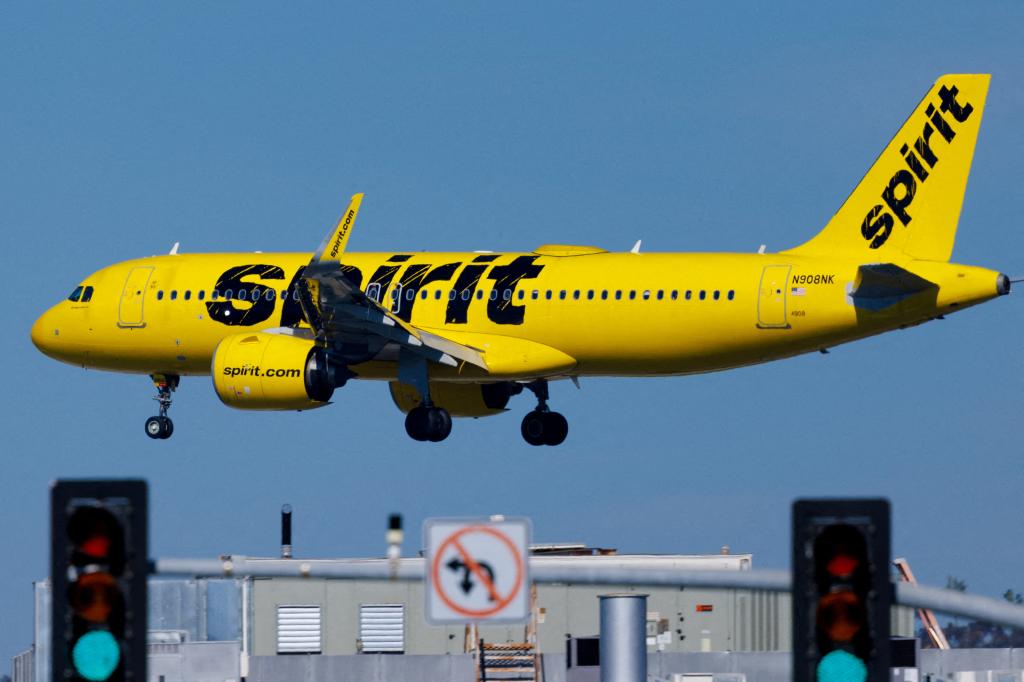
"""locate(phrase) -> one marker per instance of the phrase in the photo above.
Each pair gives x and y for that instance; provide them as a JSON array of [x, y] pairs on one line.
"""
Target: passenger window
[[689, 294], [437, 295], [201, 295], [535, 295], [675, 294], [160, 295], [618, 294], [661, 294], [188, 295], [494, 295], [604, 294], [632, 294], [506, 295], [87, 295], [647, 294], [423, 295], [522, 294], [214, 295], [576, 295], [561, 294], [590, 295], [174, 294], [703, 294], [479, 294], [76, 294], [716, 295], [410, 294], [451, 295], [547, 294], [270, 295], [731, 295]]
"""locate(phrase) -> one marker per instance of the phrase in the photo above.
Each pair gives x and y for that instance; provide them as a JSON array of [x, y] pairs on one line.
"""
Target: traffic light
[[841, 590], [98, 569]]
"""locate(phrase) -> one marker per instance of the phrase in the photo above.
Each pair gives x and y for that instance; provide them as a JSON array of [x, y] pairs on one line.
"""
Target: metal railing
[[568, 570]]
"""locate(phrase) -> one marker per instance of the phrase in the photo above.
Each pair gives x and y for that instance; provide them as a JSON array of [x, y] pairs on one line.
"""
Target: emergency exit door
[[129, 312], [771, 304]]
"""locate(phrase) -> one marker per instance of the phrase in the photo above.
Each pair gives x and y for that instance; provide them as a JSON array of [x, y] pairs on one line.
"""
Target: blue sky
[[246, 126]]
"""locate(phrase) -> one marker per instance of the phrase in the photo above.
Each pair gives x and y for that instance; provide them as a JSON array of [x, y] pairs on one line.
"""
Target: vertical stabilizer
[[908, 204]]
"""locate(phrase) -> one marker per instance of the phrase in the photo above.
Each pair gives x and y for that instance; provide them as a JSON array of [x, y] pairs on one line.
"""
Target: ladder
[[510, 661], [517, 661]]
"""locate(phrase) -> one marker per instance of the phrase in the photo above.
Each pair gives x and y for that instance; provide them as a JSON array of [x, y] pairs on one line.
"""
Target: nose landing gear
[[542, 426], [161, 427]]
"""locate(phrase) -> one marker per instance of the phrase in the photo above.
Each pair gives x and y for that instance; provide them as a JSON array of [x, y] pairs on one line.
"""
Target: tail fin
[[908, 204]]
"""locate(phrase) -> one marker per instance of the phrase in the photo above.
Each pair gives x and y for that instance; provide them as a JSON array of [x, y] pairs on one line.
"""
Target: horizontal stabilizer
[[881, 285]]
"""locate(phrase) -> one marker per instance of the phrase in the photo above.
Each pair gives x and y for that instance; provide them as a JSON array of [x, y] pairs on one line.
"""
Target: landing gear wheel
[[440, 424], [159, 427], [556, 428], [544, 428], [428, 423], [154, 427], [533, 428]]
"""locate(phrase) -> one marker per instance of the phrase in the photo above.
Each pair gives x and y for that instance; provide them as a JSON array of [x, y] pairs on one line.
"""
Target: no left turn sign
[[477, 570]]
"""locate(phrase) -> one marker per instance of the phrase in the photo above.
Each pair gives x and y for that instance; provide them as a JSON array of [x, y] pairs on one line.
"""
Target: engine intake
[[259, 371]]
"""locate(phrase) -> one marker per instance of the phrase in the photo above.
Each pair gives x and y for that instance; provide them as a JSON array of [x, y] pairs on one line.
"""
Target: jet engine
[[461, 400], [258, 371]]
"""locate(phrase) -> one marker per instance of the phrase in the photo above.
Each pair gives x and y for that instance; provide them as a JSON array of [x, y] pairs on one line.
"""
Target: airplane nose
[[44, 333]]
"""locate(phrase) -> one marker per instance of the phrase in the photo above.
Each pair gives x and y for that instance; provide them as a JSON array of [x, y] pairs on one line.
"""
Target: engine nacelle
[[259, 371], [461, 400]]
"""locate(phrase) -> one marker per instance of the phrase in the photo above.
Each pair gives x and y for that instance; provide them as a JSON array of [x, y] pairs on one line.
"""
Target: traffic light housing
[[98, 571], [842, 591]]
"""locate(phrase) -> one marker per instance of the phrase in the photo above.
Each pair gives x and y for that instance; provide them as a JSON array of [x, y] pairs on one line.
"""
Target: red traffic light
[[842, 565], [97, 537]]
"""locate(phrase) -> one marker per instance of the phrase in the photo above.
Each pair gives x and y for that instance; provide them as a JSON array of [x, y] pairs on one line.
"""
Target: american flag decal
[[799, 291]]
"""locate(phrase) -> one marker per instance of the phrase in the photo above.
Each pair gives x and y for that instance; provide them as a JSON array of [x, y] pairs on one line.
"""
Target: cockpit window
[[87, 295], [76, 294]]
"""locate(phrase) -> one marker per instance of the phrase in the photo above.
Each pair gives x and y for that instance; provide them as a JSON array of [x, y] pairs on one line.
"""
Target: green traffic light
[[841, 666], [96, 655]]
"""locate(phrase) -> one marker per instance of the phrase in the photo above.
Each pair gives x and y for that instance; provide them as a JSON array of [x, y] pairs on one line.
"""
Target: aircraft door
[[129, 312], [771, 303]]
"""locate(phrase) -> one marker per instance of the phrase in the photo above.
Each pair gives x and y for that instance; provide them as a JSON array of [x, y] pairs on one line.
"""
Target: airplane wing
[[342, 316]]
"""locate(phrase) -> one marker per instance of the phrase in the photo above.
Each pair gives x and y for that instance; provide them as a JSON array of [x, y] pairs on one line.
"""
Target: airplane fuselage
[[585, 313]]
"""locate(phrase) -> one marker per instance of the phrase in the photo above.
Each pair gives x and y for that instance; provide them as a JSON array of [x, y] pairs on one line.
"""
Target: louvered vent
[[382, 628], [298, 629]]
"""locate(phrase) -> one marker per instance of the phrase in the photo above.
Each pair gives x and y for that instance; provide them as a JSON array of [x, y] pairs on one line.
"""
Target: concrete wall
[[759, 666], [366, 668], [194, 662]]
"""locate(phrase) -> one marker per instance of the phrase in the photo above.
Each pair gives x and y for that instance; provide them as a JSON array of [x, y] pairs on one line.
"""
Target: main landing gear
[[428, 422], [542, 426], [161, 426]]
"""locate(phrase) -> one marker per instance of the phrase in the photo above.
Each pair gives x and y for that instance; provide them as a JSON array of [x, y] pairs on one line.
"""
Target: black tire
[[556, 428], [416, 423], [534, 428], [440, 424], [154, 427], [168, 428]]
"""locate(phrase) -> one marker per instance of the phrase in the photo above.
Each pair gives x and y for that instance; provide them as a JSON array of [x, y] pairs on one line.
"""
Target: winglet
[[636, 247], [334, 245]]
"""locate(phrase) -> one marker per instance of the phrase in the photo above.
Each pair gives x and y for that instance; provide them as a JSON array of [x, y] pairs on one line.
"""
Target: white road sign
[[477, 570]]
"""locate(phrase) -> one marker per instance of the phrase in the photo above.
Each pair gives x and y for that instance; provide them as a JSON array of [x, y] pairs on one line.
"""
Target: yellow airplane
[[458, 334]]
